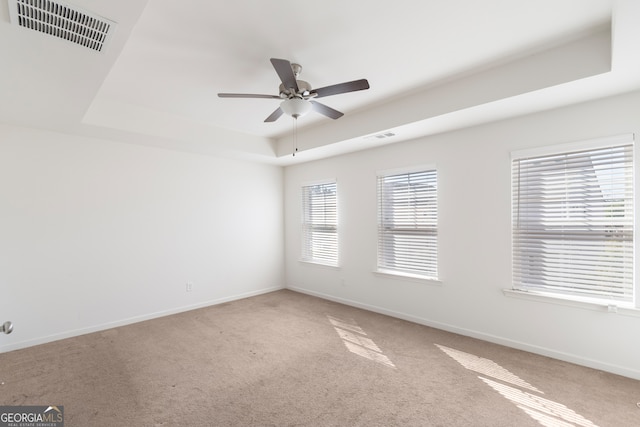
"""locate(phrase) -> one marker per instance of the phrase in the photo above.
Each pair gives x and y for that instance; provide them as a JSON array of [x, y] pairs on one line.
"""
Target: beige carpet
[[287, 359]]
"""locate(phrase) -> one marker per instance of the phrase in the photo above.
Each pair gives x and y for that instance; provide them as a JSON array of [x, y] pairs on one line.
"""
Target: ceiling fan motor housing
[[304, 89]]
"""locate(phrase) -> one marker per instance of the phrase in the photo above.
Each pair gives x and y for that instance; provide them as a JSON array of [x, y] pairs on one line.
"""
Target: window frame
[[306, 228], [384, 269], [568, 298]]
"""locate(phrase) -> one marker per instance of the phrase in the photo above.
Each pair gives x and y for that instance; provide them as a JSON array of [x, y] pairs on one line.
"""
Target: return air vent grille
[[63, 21]]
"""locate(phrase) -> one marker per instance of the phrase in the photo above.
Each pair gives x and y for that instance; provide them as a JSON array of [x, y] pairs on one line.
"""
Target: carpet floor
[[288, 359]]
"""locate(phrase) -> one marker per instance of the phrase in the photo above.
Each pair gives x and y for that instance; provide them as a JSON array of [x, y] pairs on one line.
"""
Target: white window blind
[[408, 223], [573, 223], [320, 223]]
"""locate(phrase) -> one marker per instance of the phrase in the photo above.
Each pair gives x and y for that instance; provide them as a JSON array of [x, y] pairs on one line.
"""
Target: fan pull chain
[[295, 136]]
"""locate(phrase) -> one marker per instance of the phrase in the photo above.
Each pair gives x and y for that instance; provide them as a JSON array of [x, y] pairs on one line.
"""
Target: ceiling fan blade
[[285, 72], [247, 95], [327, 111], [274, 116], [341, 88]]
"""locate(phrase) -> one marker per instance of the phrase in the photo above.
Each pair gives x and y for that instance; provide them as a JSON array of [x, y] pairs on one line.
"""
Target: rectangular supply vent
[[385, 135], [62, 21], [382, 135]]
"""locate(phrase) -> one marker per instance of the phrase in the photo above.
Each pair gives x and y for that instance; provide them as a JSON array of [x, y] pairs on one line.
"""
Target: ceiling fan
[[297, 95]]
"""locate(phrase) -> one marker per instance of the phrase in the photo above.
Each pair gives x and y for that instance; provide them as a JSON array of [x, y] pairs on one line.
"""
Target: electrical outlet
[[189, 286]]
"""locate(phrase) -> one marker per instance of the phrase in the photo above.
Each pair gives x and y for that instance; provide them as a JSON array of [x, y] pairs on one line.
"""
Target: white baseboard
[[131, 320], [567, 357]]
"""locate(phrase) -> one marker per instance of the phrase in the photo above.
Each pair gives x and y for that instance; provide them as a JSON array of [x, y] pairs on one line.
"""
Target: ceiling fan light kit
[[297, 94], [295, 107]]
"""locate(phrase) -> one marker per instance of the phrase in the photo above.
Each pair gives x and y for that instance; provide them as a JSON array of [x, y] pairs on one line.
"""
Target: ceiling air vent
[[385, 135], [62, 21], [382, 135]]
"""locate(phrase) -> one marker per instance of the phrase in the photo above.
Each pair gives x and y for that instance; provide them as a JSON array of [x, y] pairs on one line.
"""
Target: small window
[[408, 224], [320, 224], [572, 222]]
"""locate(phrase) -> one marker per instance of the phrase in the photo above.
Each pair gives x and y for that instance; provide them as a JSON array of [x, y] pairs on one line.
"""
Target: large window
[[320, 223], [573, 221], [408, 223]]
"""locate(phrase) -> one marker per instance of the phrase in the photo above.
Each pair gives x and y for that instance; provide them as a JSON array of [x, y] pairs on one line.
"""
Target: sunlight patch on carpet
[[357, 342], [486, 367], [546, 412]]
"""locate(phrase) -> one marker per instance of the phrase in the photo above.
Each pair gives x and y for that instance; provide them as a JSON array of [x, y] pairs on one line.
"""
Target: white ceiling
[[432, 66]]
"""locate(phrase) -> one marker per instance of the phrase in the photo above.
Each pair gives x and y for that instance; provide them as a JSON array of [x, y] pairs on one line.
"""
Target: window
[[572, 221], [408, 223], [320, 223]]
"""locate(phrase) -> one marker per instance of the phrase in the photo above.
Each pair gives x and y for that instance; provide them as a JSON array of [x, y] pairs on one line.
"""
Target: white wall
[[96, 233], [474, 238]]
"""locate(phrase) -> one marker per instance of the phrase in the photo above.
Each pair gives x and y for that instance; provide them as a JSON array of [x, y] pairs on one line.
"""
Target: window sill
[[408, 276], [319, 264], [603, 306]]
